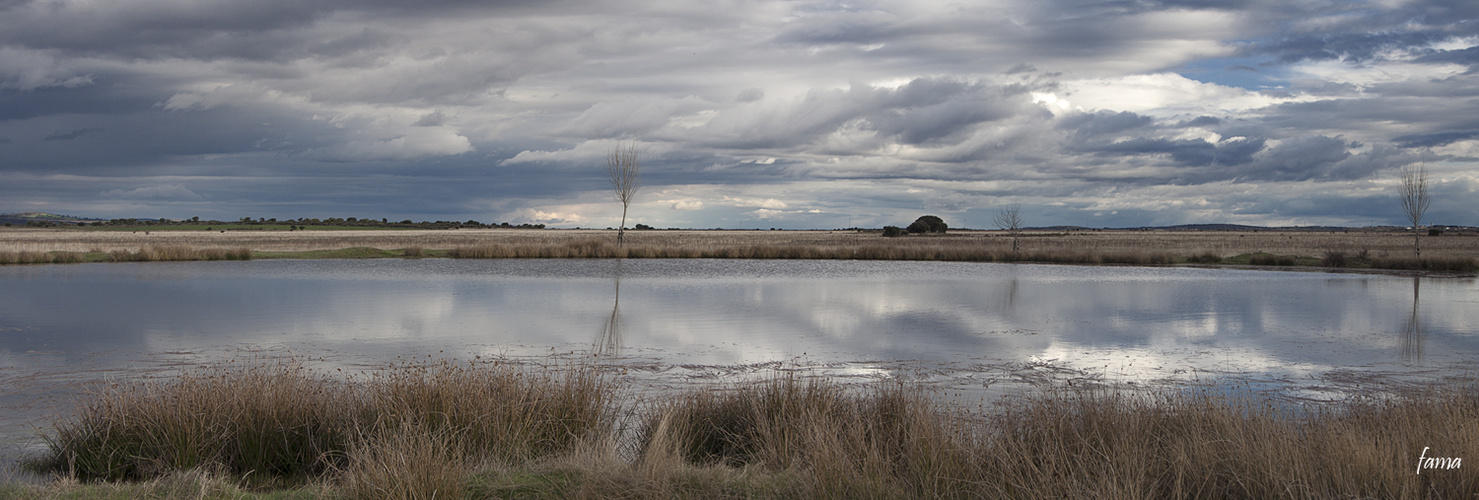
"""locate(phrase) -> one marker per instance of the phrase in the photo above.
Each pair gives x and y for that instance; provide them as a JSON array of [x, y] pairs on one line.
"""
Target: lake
[[972, 328]]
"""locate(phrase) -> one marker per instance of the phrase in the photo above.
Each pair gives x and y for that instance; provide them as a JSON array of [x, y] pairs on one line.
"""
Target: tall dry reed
[[281, 419], [1078, 443], [447, 429], [32, 257], [155, 253], [887, 442]]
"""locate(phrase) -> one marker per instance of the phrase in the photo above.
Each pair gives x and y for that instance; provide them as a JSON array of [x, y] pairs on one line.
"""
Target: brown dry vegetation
[[440, 429], [1358, 248]]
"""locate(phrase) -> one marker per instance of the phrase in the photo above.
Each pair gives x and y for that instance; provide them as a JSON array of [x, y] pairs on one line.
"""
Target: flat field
[[1091, 246]]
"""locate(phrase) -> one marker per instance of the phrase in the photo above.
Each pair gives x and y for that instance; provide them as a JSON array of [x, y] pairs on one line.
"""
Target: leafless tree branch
[[1414, 196], [1009, 219], [623, 167]]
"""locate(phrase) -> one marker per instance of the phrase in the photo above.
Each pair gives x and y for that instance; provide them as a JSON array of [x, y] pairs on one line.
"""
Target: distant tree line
[[304, 223]]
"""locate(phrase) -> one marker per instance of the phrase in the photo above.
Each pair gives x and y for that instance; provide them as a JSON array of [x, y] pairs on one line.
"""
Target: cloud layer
[[809, 114]]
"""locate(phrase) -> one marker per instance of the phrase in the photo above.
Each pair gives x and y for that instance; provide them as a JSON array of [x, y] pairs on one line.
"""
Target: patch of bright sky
[[1249, 73]]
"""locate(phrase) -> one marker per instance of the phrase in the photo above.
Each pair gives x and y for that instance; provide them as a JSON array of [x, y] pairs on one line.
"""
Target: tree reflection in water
[[608, 343], [1412, 335]]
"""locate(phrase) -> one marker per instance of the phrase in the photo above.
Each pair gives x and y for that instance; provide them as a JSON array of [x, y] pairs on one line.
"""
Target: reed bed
[[156, 253], [444, 429], [281, 420], [37, 257]]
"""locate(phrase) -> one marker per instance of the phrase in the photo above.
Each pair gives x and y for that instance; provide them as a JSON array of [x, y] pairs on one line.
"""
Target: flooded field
[[973, 330]]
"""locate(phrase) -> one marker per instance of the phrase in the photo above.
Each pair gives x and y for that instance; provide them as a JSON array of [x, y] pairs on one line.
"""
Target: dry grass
[[1450, 252], [888, 443], [280, 420], [155, 253], [36, 257], [442, 429], [1078, 444]]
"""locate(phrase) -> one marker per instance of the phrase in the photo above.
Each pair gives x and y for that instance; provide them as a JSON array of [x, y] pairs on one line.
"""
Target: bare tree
[[1414, 195], [1009, 219], [624, 169]]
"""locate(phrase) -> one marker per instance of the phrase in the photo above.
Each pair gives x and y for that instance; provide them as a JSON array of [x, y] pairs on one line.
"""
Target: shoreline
[[1385, 253], [182, 254], [1095, 429]]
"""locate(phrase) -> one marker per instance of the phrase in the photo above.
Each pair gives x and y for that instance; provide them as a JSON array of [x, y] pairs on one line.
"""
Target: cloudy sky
[[748, 114]]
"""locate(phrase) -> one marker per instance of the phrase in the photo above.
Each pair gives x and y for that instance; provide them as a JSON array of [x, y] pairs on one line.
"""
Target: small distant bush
[[1334, 258], [893, 231], [1435, 232], [1205, 258], [1265, 259]]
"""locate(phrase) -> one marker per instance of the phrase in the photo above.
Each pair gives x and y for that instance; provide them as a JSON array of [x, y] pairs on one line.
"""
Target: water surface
[[962, 326]]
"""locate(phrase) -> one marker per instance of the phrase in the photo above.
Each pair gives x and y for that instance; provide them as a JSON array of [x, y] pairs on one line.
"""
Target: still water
[[960, 326]]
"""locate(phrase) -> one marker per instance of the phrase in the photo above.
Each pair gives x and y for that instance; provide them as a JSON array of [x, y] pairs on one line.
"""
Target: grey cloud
[[1436, 138], [1187, 152], [1354, 32], [751, 94], [228, 28], [1201, 121], [1020, 68], [925, 111], [74, 134], [170, 192], [433, 119], [1303, 158], [301, 109], [1087, 125], [1358, 47], [1469, 56]]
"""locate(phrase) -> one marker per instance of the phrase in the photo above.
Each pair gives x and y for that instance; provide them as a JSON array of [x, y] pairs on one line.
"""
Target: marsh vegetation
[[436, 428]]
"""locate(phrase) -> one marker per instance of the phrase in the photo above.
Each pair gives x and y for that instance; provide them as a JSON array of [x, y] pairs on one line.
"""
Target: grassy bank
[[1456, 253], [601, 249], [443, 429]]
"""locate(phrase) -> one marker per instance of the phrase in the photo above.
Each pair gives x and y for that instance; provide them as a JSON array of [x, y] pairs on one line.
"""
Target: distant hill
[[21, 218]]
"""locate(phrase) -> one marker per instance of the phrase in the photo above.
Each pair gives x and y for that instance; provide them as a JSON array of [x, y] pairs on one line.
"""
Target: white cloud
[[1165, 95], [687, 205], [768, 203]]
